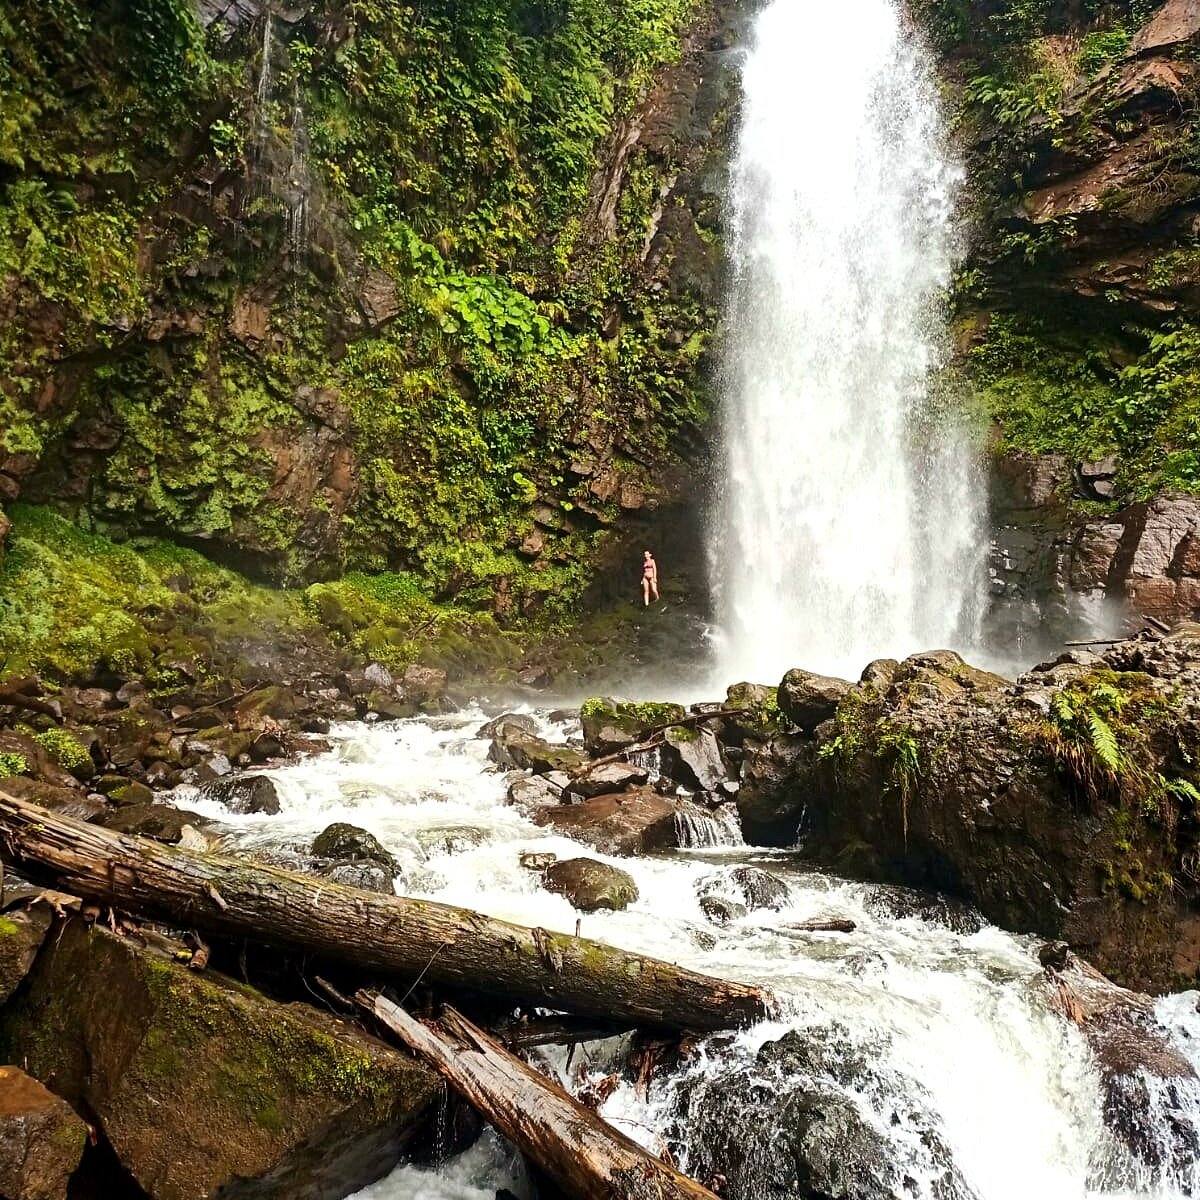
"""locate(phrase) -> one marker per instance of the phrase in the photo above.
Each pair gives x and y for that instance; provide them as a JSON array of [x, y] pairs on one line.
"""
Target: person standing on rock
[[649, 578]]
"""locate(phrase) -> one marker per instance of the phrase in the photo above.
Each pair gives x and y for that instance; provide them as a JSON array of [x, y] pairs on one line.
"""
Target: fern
[[1181, 789], [1104, 742]]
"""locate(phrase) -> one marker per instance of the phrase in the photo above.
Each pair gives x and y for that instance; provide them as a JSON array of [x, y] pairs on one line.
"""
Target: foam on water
[[1012, 1086]]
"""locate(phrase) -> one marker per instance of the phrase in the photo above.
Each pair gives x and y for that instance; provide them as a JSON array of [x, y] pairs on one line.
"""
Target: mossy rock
[[609, 725], [201, 1084]]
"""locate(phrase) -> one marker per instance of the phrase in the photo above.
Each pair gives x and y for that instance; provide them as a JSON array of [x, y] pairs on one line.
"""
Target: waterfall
[[849, 524]]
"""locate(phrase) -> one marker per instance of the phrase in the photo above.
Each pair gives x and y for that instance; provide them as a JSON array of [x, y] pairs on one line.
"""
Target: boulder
[[591, 885], [610, 725], [41, 1139], [692, 757], [244, 794], [721, 911], [423, 685], [744, 887], [604, 779], [158, 821], [21, 936], [386, 705], [632, 822], [206, 1087], [535, 791], [69, 801], [274, 701], [341, 843], [802, 1090], [519, 722], [513, 748], [807, 699]]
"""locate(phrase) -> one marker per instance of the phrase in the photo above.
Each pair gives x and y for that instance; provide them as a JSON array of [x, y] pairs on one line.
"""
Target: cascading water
[[849, 521], [920, 1054]]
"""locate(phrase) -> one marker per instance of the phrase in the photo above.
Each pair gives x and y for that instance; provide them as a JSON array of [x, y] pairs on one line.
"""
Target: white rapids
[[850, 518], [1011, 1087]]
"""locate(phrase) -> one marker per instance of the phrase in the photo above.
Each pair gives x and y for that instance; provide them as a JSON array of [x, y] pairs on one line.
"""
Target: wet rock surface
[[350, 855], [202, 1085], [41, 1139], [815, 1093], [591, 885]]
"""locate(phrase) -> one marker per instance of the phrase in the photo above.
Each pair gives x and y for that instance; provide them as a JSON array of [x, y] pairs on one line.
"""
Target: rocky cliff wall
[[317, 287]]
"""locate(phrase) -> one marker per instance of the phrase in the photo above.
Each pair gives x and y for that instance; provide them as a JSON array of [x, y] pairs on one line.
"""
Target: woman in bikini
[[649, 578]]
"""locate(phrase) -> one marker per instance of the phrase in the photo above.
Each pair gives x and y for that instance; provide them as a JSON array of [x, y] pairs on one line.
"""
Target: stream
[[949, 1074]]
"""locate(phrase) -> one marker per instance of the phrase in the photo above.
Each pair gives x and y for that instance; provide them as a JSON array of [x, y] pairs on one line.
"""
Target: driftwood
[[412, 939], [820, 925], [580, 1152], [554, 1030]]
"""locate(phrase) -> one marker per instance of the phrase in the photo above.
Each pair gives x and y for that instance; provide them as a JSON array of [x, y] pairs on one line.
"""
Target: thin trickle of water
[[264, 71], [936, 1041], [850, 516]]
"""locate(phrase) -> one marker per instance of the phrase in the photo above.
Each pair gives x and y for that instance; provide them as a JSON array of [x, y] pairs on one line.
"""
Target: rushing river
[[937, 1035]]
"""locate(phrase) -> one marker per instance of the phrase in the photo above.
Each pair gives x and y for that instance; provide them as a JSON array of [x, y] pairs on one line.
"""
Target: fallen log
[[580, 1152], [413, 939]]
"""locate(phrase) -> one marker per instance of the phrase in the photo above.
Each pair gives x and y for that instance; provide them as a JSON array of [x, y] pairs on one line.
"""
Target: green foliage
[[12, 764], [1100, 47], [1054, 394], [1014, 102], [64, 748]]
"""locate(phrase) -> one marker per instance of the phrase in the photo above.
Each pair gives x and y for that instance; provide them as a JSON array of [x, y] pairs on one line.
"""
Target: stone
[[378, 676], [880, 673], [693, 757], [158, 821], [534, 860], [1175, 22], [514, 748], [535, 791], [22, 933], [590, 885], [129, 792], [519, 722], [387, 706], [41, 1139], [807, 699], [204, 1086], [244, 794], [423, 684], [632, 822], [721, 911], [604, 779], [70, 802], [745, 887], [610, 725], [345, 843], [274, 701]]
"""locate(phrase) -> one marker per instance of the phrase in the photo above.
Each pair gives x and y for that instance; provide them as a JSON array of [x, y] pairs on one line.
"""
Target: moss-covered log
[[586, 1157], [453, 947]]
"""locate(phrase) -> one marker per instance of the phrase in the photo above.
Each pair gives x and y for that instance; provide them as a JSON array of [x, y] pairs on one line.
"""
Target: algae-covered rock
[[158, 821], [203, 1085], [807, 699], [610, 725], [21, 937], [591, 885], [41, 1139], [343, 844], [631, 822]]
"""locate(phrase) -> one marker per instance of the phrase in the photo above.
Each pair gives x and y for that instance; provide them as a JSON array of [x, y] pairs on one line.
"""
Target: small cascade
[[299, 186], [697, 831], [265, 75]]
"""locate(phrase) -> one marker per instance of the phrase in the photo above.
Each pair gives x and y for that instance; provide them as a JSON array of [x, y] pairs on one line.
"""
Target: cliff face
[[322, 286], [1078, 304]]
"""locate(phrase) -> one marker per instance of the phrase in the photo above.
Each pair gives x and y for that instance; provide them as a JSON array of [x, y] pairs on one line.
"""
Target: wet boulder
[[353, 857], [204, 1086], [604, 779], [806, 1089], [514, 748], [70, 802], [424, 686], [720, 910], [746, 887], [41, 1139], [530, 792], [934, 908], [158, 821], [632, 822], [244, 794], [806, 699], [519, 722], [21, 936], [610, 725], [693, 757], [590, 885]]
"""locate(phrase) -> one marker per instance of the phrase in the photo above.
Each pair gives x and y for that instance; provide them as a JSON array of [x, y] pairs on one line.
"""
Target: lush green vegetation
[[446, 154]]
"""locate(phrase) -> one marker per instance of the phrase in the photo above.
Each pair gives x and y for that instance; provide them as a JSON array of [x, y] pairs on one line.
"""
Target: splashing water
[[849, 524], [937, 1034]]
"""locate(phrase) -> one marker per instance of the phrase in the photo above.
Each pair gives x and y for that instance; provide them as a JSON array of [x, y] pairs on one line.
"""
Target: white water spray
[[849, 524]]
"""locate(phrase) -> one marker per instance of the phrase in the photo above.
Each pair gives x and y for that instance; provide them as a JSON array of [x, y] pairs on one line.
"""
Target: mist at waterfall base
[[927, 1043], [850, 520]]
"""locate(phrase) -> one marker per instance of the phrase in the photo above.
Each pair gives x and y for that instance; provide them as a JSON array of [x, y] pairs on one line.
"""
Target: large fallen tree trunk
[[584, 1155], [438, 943]]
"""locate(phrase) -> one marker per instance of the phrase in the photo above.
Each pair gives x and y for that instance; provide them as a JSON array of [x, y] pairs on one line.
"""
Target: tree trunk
[[584, 1155], [444, 945]]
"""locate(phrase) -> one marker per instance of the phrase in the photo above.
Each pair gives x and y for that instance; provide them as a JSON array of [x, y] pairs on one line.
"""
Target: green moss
[[64, 748], [12, 764]]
